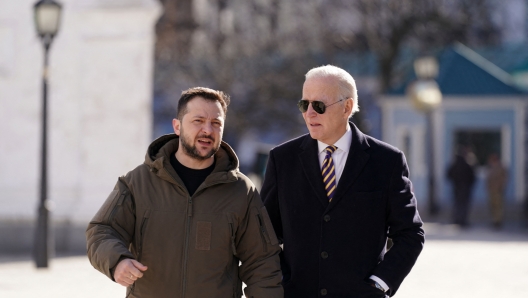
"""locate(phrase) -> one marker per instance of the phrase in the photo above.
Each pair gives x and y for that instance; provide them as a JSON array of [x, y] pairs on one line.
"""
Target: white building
[[99, 112]]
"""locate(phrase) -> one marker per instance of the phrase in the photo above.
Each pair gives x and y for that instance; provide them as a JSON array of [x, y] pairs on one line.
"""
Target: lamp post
[[425, 95], [47, 16]]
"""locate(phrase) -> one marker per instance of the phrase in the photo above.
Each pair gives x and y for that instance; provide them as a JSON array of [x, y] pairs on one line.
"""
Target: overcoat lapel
[[356, 160], [310, 164]]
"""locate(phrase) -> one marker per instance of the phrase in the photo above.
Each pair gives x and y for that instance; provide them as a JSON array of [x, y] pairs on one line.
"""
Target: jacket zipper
[[188, 231], [186, 253], [262, 233], [142, 229], [233, 246], [187, 234]]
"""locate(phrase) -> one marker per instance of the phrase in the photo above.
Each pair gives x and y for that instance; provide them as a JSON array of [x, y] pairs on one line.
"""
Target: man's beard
[[191, 150]]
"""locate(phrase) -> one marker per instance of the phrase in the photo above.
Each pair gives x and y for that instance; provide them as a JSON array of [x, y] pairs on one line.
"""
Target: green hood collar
[[159, 151]]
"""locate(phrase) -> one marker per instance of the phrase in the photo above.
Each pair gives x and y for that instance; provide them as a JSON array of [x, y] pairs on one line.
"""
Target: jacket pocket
[[266, 227], [232, 231], [107, 208], [142, 231], [118, 204]]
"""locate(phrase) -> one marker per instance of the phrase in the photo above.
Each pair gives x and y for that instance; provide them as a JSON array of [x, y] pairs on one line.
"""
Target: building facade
[[482, 110], [99, 112]]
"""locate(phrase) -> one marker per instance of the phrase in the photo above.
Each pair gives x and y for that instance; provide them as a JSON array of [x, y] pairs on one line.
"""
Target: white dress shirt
[[340, 157]]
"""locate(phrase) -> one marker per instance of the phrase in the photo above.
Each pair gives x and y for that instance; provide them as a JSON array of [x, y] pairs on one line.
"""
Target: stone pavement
[[66, 277], [477, 262]]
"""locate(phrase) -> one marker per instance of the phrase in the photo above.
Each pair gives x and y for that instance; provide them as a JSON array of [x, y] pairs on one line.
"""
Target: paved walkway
[[67, 277], [477, 262], [455, 263]]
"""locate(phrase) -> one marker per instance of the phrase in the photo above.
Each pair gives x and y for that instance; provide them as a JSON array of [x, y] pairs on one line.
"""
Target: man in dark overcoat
[[336, 195], [462, 176]]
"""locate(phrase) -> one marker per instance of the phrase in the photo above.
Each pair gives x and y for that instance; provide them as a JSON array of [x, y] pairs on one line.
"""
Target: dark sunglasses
[[318, 106]]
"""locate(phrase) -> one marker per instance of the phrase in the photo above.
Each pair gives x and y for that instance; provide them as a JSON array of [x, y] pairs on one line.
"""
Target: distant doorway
[[481, 142]]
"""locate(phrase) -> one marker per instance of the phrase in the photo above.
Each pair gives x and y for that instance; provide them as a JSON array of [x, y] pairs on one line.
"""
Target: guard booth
[[481, 109]]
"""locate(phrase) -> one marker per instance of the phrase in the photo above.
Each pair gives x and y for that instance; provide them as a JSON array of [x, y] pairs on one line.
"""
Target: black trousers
[[462, 205]]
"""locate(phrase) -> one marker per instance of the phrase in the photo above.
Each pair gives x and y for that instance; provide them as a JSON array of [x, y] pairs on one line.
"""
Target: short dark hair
[[206, 93]]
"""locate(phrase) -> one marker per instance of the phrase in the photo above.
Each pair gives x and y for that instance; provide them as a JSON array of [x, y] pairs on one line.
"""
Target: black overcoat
[[331, 249]]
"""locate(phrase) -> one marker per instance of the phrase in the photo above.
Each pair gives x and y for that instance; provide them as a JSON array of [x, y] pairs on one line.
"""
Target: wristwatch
[[377, 285]]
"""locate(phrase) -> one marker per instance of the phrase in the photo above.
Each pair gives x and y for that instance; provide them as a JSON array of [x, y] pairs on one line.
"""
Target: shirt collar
[[342, 144]]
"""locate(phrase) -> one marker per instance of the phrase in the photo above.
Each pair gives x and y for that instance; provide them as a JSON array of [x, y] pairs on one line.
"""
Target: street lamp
[[425, 95], [47, 16]]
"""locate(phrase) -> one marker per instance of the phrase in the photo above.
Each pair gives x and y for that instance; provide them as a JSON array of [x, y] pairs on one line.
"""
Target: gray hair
[[347, 85]]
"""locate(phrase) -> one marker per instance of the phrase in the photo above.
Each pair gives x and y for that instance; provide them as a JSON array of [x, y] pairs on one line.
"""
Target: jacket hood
[[159, 151]]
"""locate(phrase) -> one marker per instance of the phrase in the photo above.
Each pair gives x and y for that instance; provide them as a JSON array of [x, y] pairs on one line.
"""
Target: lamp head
[[425, 95], [47, 18], [426, 68]]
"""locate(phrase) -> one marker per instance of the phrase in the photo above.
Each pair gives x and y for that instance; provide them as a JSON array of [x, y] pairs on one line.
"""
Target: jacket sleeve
[[270, 196], [111, 230], [405, 228], [258, 249]]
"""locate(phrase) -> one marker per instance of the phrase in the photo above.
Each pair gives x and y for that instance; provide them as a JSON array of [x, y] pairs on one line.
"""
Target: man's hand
[[128, 271]]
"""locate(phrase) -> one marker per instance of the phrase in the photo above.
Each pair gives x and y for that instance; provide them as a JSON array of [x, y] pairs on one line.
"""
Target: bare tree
[[258, 51], [422, 26]]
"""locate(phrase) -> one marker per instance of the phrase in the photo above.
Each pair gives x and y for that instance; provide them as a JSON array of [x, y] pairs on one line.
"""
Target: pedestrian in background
[[496, 184], [179, 224], [462, 176], [336, 195]]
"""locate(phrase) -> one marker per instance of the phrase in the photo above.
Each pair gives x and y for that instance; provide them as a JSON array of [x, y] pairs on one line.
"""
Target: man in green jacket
[[180, 224]]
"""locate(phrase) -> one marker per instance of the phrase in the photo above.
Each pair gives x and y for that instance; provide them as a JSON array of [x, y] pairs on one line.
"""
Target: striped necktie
[[329, 178]]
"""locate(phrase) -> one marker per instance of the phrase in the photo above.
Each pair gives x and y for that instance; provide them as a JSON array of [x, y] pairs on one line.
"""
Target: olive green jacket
[[192, 245]]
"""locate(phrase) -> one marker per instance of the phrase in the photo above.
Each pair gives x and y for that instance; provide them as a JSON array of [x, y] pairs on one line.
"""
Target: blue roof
[[523, 67], [462, 71], [512, 57]]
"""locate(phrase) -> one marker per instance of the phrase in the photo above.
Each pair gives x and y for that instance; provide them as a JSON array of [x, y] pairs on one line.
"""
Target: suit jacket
[[331, 249]]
